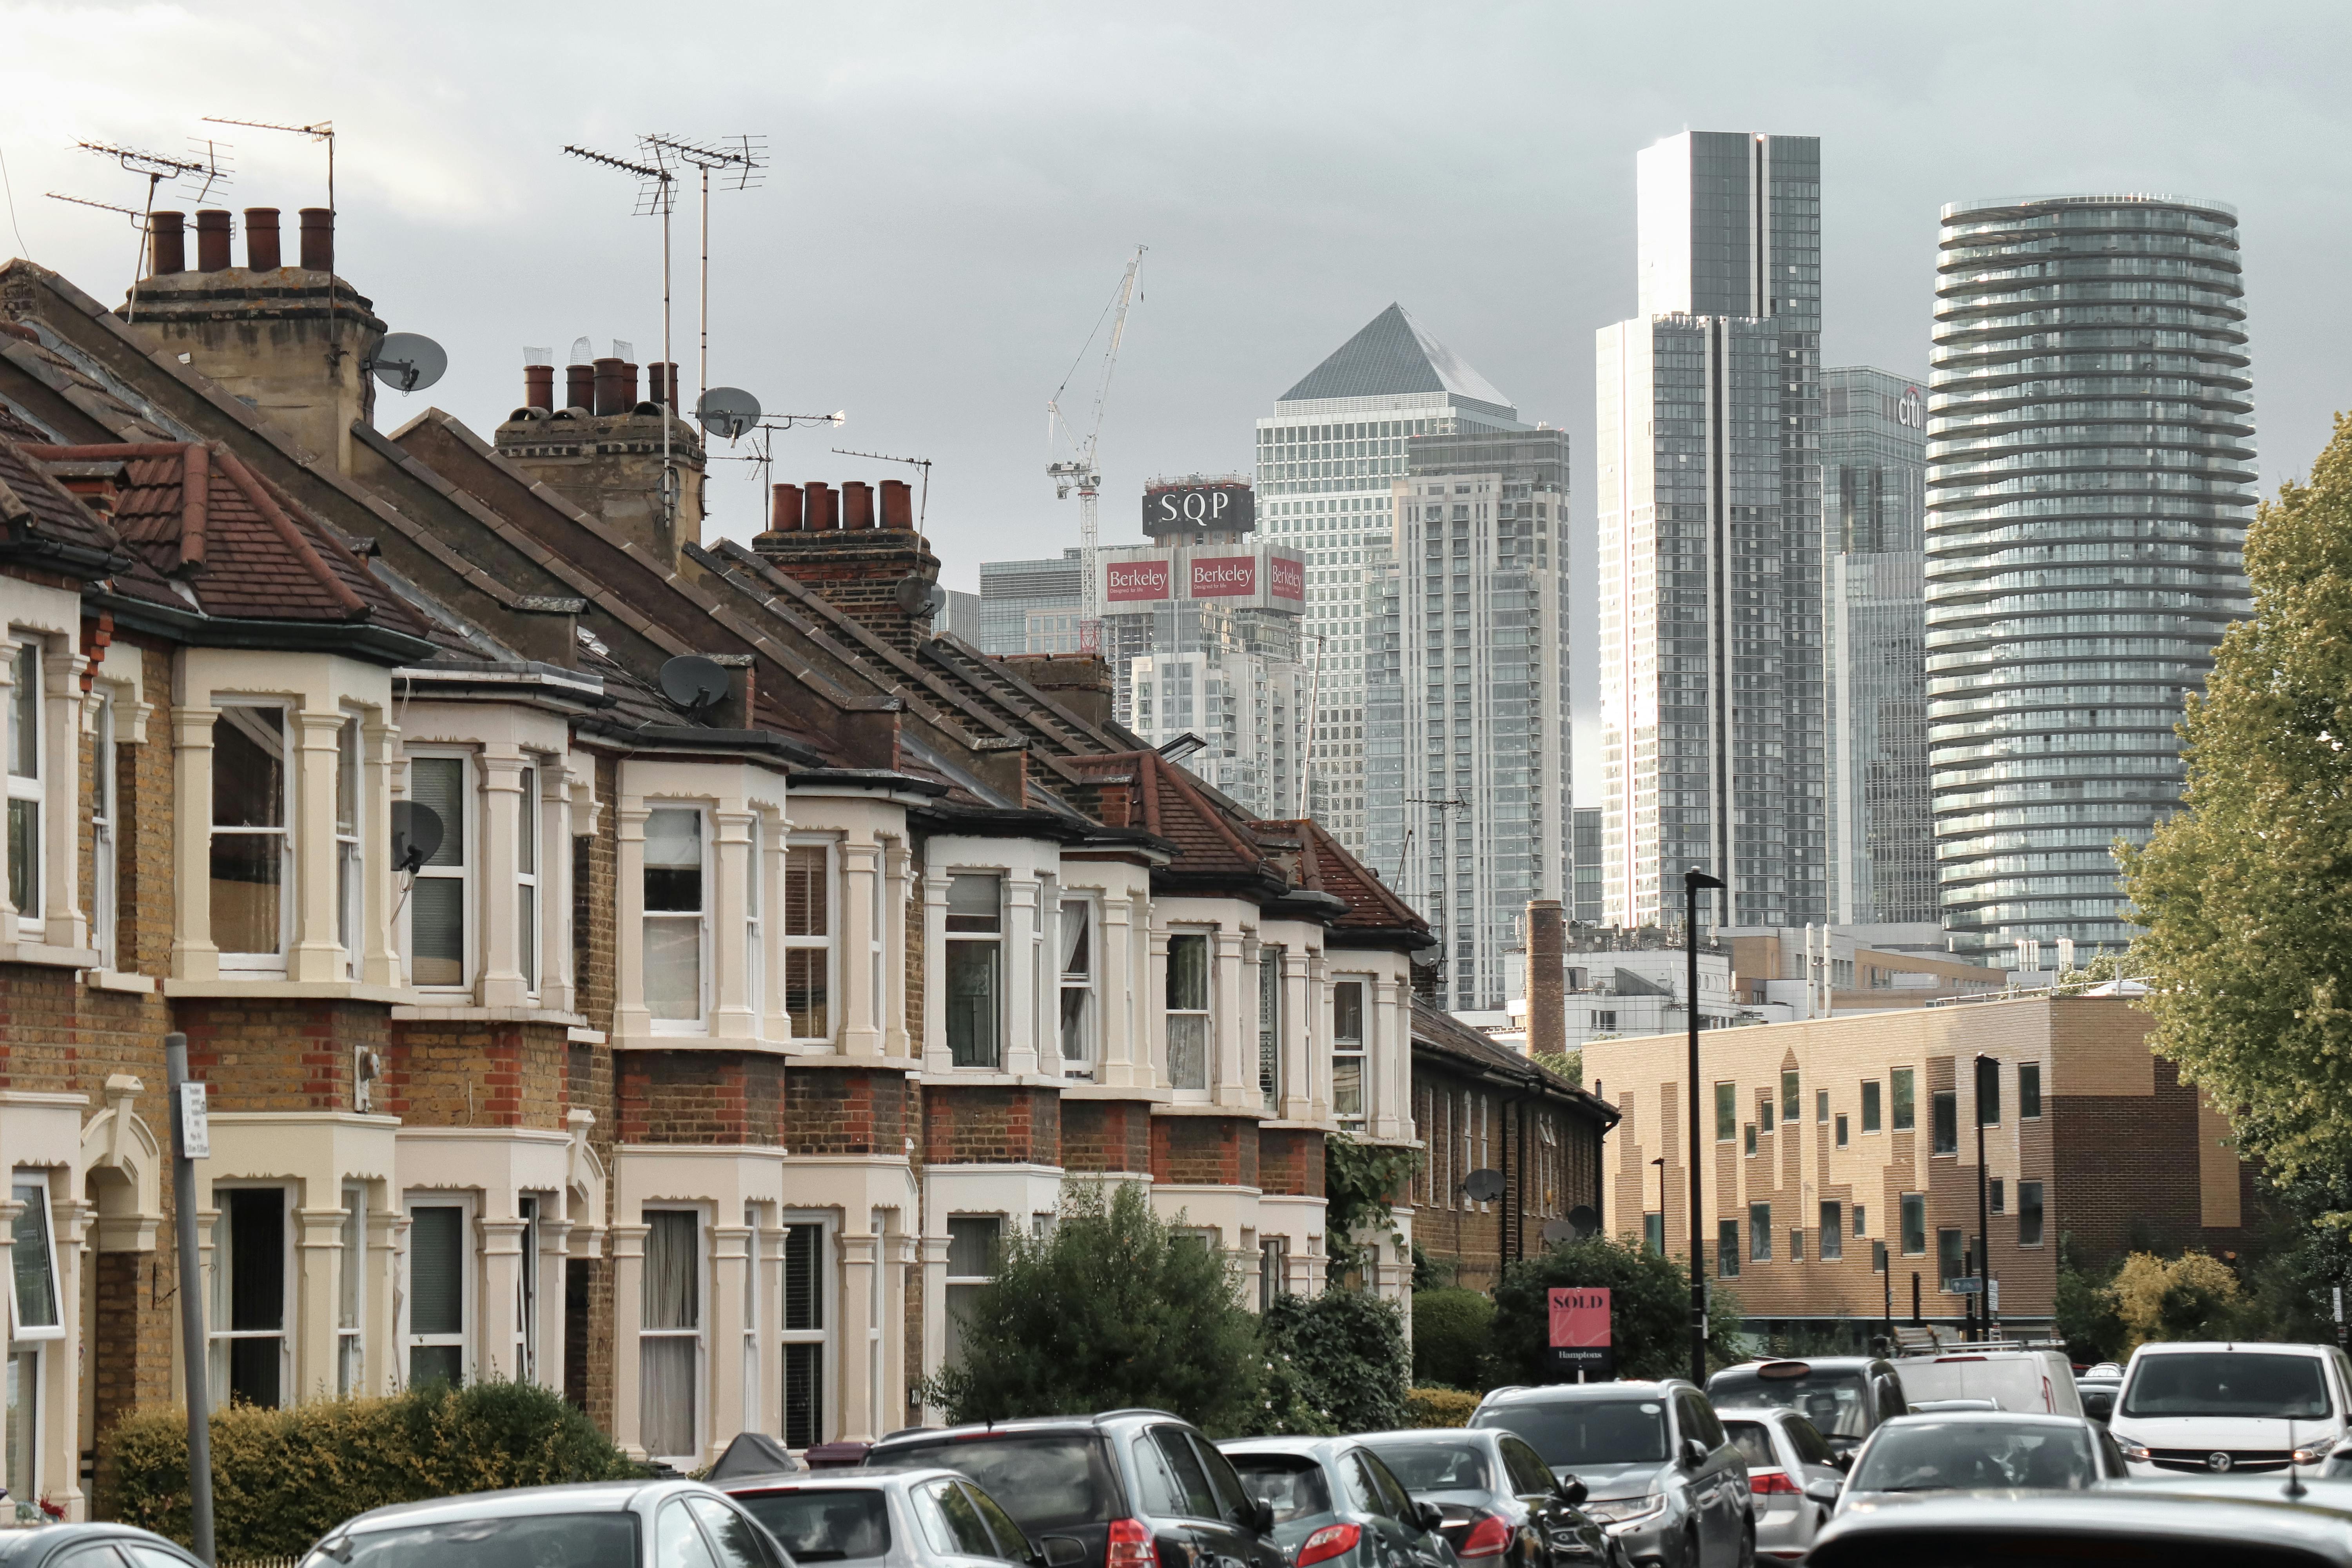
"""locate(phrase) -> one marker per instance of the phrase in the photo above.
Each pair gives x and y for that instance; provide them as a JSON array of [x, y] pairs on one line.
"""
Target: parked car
[[1997, 1450], [1132, 1486], [1846, 1396], [2024, 1379], [1659, 1469], [1792, 1477], [2117, 1527], [2191, 1406], [1501, 1505], [594, 1524], [1335, 1501], [92, 1546], [915, 1518]]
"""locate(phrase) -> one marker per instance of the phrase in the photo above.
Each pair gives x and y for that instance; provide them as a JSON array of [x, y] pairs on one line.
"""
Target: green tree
[[1343, 1357], [2246, 894], [1649, 1306], [1450, 1332], [1110, 1308], [1361, 1185]]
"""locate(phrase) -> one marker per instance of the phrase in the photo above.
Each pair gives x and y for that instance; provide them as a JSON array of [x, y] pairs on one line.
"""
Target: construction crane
[[1079, 472]]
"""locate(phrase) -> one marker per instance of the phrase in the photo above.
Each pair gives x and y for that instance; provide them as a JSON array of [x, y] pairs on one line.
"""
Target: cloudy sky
[[955, 188]]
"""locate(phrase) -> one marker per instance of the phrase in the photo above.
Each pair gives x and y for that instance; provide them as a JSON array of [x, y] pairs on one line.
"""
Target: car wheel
[[1746, 1558]]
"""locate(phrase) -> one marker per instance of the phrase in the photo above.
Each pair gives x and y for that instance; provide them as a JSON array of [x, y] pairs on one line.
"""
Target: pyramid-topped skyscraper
[[1394, 356]]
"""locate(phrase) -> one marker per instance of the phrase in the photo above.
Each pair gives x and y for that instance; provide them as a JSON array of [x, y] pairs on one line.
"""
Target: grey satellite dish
[[726, 411], [1556, 1231], [1585, 1221], [410, 362], [1483, 1186], [415, 835], [919, 596], [694, 682]]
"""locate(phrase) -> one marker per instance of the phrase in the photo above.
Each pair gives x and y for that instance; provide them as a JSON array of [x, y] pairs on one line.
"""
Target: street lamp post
[[1984, 1231], [1693, 880]]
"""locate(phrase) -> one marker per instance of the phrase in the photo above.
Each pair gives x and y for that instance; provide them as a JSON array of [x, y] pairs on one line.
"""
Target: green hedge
[[282, 1478], [1439, 1407], [1451, 1329]]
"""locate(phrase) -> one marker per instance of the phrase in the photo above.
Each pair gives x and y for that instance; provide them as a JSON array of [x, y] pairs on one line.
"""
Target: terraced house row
[[734, 1016]]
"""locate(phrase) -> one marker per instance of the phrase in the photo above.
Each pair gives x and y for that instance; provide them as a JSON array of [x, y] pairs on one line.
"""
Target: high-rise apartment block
[[1467, 705], [1326, 459], [2090, 479], [1714, 689], [1874, 498], [1031, 606]]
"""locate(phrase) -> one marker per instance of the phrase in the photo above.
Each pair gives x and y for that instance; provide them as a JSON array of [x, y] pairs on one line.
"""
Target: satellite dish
[[1558, 1231], [694, 682], [919, 596], [415, 835], [410, 362], [726, 411], [1483, 1186], [1585, 1221]]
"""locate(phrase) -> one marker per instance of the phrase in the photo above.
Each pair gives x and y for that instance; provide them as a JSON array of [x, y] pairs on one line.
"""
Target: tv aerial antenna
[[655, 198], [743, 161], [763, 441], [318, 131], [1080, 471], [203, 173], [922, 463]]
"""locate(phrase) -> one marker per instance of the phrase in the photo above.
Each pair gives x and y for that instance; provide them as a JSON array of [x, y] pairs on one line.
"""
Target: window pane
[[436, 929], [1726, 1112], [25, 856], [804, 1395], [436, 1270], [37, 1287], [804, 1277], [246, 871], [1833, 1233], [527, 934], [971, 1004], [1989, 1093], [1760, 1232], [1348, 1087], [347, 1310], [256, 1248], [1915, 1223], [673, 860], [1727, 1248], [527, 825], [971, 1245], [24, 715], [1077, 945], [672, 1287], [347, 778], [1348, 1012], [666, 1394], [2029, 1090], [805, 993], [805, 899], [24, 1419], [1074, 1023], [1791, 1098], [674, 968], [2028, 1213], [1945, 1106], [1870, 1106], [976, 901], [1188, 1052], [1905, 1112], [1188, 971]]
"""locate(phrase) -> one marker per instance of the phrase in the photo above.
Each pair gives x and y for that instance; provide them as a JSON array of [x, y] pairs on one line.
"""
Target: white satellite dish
[[409, 362], [726, 411]]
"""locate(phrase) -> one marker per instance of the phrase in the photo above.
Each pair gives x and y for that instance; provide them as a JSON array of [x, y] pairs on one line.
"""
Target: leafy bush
[[1344, 1352], [1361, 1185], [1649, 1311], [1438, 1407], [1450, 1331], [2191, 1297], [282, 1478], [1111, 1307]]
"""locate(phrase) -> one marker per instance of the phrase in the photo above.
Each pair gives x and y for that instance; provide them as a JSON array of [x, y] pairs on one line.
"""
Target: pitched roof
[[38, 516], [1395, 354], [1143, 789], [1437, 1031], [1326, 866]]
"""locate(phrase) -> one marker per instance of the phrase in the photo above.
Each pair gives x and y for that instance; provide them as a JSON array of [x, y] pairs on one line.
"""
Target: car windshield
[[1437, 1466], [827, 1524], [533, 1540], [1962, 1456], [1046, 1482], [1836, 1402], [1292, 1483], [2227, 1382], [1571, 1433]]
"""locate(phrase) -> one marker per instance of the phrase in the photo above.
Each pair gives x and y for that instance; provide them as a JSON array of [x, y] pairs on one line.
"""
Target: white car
[[2212, 1408], [1792, 1474], [2037, 1382]]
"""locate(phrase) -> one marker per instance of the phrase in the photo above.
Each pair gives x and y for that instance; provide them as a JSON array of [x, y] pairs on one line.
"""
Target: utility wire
[[10, 190]]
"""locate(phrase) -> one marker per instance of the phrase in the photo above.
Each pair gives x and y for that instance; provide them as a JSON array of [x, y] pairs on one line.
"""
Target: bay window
[[1269, 1026], [526, 874], [1077, 961], [439, 1261], [25, 788], [350, 885], [251, 1274], [1188, 1010], [1347, 1052], [249, 841], [669, 1341], [972, 1241], [439, 929], [975, 968], [804, 1334], [675, 888], [39, 1326], [808, 941]]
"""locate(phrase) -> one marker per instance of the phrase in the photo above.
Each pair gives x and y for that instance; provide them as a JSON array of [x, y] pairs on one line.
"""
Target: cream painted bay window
[[26, 789], [1078, 1010], [1188, 1010], [440, 903], [1347, 1052], [975, 968], [805, 1333], [675, 976], [251, 912], [527, 953], [439, 1261], [808, 940], [669, 1343]]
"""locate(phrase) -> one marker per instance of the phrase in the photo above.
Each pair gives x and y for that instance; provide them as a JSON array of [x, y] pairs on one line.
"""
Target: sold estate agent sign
[[1580, 1332]]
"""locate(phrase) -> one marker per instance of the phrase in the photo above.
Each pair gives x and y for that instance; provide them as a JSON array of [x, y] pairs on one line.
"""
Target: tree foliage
[[2246, 895], [1361, 1185], [1341, 1359], [1111, 1307], [1450, 1332], [1649, 1311]]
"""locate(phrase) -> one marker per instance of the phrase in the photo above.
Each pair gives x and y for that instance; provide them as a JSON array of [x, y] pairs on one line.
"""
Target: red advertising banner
[[1580, 1330], [1130, 580], [1224, 576], [1289, 576]]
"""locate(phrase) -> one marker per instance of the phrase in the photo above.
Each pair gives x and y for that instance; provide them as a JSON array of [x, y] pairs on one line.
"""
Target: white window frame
[[351, 864], [755, 933], [27, 661], [698, 1333], [287, 897], [825, 1335], [222, 1285], [753, 1334], [468, 1206], [351, 1293], [1000, 939], [29, 1346], [105, 864], [1206, 1011], [824, 942], [466, 832], [1001, 1222], [530, 906], [1085, 983], [528, 1308], [700, 919], [1360, 1053]]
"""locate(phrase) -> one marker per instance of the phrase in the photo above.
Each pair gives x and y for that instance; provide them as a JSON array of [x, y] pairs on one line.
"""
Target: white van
[[2034, 1382], [2190, 1408]]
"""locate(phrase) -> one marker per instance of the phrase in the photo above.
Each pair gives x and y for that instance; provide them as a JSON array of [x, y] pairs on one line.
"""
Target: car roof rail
[[1131, 1410], [1506, 1388]]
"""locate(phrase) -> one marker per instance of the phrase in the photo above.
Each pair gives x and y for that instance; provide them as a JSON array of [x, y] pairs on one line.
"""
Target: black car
[[1501, 1505], [1139, 1489]]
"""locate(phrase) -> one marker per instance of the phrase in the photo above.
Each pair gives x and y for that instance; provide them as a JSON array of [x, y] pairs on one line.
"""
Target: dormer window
[[249, 847], [975, 966], [675, 916]]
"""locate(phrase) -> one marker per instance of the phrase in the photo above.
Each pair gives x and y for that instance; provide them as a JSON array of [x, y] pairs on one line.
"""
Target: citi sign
[[1911, 409], [1224, 576], [1131, 580]]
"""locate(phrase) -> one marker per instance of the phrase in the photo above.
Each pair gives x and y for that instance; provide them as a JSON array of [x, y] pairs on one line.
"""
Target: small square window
[[1841, 1133], [1821, 1105]]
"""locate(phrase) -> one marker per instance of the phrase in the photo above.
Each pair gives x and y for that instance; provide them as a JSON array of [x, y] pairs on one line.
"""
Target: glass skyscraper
[[2090, 477], [1714, 702], [1873, 499]]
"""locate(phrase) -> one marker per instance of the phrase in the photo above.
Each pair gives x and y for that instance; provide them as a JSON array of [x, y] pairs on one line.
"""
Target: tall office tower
[[1031, 606], [1468, 783], [1325, 460], [1586, 910], [2090, 465], [1873, 499], [1714, 702]]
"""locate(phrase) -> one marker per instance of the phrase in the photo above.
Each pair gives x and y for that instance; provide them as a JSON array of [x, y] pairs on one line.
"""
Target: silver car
[[920, 1517], [1992, 1450], [595, 1524], [1792, 1476]]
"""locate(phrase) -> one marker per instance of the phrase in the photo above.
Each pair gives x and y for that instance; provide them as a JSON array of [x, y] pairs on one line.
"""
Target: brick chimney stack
[[832, 540], [1547, 978], [602, 450]]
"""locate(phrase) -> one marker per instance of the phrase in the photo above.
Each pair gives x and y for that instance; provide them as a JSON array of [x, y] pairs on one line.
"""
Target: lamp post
[[1693, 880], [1984, 1231]]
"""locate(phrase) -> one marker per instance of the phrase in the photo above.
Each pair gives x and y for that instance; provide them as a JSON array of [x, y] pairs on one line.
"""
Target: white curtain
[[665, 1352]]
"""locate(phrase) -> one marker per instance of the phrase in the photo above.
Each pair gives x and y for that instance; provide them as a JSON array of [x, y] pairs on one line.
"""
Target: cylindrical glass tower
[[2091, 468]]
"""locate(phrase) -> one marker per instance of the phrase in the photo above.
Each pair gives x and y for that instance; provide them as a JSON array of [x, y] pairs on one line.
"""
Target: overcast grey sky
[[956, 188]]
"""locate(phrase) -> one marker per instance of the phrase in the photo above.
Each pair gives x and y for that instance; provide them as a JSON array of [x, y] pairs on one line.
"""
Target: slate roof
[[1395, 354], [39, 515], [1326, 866], [1152, 793], [1439, 1033]]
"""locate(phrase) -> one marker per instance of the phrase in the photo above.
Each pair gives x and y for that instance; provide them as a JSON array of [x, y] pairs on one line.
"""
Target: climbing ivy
[[1362, 1181]]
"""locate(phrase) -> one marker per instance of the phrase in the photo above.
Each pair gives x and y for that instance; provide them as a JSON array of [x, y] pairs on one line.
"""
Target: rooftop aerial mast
[[1079, 472]]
